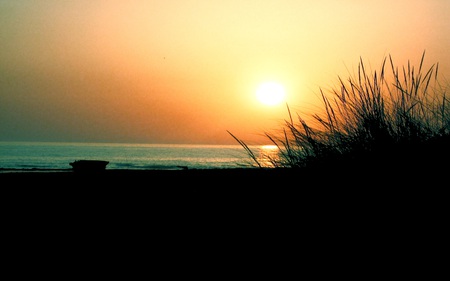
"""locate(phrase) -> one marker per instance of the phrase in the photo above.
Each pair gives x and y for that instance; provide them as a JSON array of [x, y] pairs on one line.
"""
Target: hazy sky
[[179, 71]]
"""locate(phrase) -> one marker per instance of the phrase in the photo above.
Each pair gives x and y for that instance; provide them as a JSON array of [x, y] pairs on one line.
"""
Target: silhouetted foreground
[[220, 180], [231, 211], [330, 188]]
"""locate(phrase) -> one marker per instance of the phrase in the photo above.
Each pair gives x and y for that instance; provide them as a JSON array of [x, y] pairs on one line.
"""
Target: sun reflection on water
[[267, 155]]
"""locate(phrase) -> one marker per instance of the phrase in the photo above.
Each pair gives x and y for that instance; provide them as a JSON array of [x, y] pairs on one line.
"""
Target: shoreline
[[243, 176], [196, 177]]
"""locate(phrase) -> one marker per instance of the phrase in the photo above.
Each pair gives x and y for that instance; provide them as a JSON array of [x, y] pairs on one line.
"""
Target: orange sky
[[187, 71]]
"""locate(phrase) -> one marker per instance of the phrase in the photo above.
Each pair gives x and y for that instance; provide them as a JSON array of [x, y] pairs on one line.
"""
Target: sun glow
[[270, 93]]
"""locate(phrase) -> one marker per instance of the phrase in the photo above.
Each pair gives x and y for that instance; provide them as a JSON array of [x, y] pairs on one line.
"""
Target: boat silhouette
[[89, 165]]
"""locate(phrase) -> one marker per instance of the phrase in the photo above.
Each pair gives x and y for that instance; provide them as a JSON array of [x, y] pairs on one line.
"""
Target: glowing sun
[[270, 93]]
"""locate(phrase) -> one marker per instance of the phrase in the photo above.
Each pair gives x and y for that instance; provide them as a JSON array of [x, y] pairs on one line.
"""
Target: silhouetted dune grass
[[394, 120]]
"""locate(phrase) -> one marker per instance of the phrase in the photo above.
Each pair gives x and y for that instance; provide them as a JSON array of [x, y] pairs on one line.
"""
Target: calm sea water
[[43, 155]]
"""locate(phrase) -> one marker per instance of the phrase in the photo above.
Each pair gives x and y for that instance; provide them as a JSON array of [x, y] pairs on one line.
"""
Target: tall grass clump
[[393, 117]]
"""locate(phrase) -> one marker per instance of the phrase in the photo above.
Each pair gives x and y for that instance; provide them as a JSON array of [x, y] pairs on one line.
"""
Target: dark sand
[[117, 221], [215, 187]]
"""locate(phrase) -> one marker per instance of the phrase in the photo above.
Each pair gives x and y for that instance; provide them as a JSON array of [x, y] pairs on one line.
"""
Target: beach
[[140, 185], [220, 210], [312, 188], [188, 190]]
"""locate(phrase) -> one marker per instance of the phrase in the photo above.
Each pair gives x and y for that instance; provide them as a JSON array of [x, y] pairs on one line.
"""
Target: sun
[[270, 93]]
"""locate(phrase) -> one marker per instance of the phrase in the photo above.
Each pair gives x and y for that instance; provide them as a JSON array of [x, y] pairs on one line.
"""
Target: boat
[[89, 165]]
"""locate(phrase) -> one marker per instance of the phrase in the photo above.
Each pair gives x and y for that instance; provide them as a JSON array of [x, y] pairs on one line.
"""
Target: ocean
[[59, 155]]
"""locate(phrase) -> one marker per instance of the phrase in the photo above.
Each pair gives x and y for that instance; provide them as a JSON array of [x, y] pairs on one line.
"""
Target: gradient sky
[[186, 71]]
